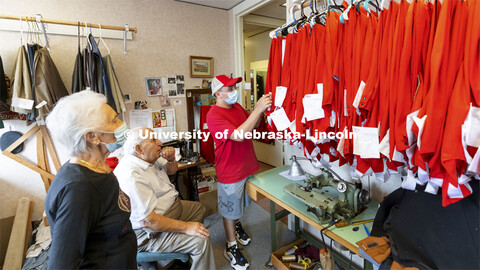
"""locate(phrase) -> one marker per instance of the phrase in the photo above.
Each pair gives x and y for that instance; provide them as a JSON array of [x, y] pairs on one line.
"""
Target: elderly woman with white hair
[[88, 212]]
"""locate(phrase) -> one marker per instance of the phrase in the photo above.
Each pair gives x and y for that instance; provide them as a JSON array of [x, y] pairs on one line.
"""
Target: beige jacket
[[49, 87], [21, 84]]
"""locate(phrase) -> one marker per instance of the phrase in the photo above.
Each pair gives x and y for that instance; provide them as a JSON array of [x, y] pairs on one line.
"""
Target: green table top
[[271, 182]]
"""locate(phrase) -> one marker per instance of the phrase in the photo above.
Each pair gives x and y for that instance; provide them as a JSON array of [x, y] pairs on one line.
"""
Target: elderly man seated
[[161, 221]]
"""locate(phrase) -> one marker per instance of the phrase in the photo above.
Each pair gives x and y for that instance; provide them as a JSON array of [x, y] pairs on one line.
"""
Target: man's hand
[[264, 102], [196, 229], [168, 153]]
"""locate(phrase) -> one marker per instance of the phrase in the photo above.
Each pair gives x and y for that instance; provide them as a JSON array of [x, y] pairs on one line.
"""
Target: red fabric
[[274, 74], [206, 147], [287, 71], [263, 127], [228, 81], [112, 162], [234, 161], [446, 61], [415, 58], [452, 155], [472, 50], [302, 77]]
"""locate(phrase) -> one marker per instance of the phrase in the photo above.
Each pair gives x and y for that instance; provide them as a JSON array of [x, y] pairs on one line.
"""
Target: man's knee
[[201, 244], [202, 210]]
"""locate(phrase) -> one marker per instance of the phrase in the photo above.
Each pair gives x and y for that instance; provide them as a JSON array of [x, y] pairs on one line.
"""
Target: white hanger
[[86, 36], [125, 39], [101, 39], [42, 29], [29, 33], [21, 32]]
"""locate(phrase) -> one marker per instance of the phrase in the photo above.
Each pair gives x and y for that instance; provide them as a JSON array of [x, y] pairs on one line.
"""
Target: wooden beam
[[51, 148], [22, 139], [42, 160], [93, 25]]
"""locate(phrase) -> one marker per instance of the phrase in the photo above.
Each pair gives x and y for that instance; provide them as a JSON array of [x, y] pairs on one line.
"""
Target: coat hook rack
[[34, 19]]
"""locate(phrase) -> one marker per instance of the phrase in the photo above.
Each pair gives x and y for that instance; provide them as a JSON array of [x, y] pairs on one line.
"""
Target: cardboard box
[[208, 171], [209, 199], [276, 256]]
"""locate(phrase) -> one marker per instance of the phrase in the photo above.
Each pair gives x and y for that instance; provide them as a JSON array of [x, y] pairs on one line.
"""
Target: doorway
[[257, 25]]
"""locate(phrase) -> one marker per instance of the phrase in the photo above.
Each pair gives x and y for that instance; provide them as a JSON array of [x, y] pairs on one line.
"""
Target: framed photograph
[[180, 90], [201, 67], [153, 86], [164, 101], [205, 83]]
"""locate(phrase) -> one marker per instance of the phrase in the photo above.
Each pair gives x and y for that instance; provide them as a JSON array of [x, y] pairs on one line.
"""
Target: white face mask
[[232, 97], [120, 135]]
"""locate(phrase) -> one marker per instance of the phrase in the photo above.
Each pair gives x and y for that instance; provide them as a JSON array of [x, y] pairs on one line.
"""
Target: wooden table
[[270, 184], [190, 165]]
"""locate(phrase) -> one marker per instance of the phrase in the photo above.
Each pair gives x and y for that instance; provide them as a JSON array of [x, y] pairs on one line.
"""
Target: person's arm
[[168, 153], [74, 215], [172, 167], [164, 224], [253, 120], [258, 122]]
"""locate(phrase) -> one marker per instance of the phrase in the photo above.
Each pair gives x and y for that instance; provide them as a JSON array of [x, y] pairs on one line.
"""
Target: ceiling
[[272, 10], [220, 4]]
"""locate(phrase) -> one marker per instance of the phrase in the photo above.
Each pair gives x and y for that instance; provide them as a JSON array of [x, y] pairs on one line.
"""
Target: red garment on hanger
[[207, 148]]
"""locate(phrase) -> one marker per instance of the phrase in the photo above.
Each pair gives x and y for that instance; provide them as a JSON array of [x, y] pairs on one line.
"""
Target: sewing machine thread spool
[[290, 258], [295, 265], [291, 251]]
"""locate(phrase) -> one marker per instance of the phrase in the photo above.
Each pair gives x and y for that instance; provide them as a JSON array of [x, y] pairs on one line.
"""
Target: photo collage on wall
[[170, 86]]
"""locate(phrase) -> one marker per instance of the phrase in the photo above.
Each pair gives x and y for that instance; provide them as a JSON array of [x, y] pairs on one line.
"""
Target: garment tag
[[26, 104], [358, 96], [312, 106], [365, 142], [280, 119], [280, 94], [43, 103]]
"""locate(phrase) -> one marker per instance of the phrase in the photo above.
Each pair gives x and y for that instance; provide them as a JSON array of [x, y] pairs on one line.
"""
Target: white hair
[[75, 115], [135, 137]]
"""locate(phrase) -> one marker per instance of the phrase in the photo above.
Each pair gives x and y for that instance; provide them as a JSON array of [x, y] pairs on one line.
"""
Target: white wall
[[257, 48], [168, 33]]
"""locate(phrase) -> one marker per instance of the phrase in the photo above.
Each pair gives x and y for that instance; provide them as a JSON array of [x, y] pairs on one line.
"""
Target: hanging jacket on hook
[[99, 73], [21, 83], [48, 84]]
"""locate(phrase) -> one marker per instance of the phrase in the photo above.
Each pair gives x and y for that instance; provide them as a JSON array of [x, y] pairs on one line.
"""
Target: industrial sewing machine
[[326, 197]]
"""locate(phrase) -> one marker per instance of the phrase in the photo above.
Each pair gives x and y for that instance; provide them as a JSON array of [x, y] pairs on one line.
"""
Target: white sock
[[230, 244]]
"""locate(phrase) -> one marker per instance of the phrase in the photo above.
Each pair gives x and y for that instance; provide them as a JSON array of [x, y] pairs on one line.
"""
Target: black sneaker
[[241, 235], [237, 261]]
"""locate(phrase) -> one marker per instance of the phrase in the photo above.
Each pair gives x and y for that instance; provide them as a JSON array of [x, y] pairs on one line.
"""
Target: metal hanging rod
[[34, 19], [305, 4]]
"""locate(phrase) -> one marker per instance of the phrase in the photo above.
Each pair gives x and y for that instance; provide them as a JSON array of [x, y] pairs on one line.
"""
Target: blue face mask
[[120, 135], [232, 97]]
